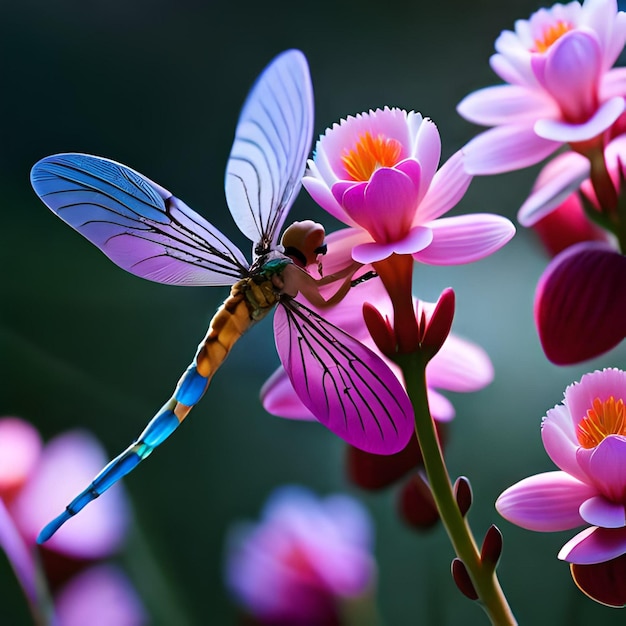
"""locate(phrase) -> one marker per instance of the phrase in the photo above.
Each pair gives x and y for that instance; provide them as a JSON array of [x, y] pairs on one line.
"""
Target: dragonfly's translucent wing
[[139, 225], [272, 142], [343, 383]]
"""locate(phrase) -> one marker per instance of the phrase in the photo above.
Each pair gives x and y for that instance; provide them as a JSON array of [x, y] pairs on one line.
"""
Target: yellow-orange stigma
[[369, 154], [602, 419], [551, 34]]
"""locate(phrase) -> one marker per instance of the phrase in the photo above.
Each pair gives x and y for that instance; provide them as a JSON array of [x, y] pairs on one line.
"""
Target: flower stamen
[[369, 154], [603, 419], [551, 34]]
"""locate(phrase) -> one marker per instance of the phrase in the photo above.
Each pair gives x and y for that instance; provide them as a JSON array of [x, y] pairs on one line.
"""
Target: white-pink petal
[[321, 193], [448, 186], [465, 238], [545, 502], [506, 104], [613, 83], [460, 366], [558, 434], [558, 180], [564, 132], [600, 384], [506, 148]]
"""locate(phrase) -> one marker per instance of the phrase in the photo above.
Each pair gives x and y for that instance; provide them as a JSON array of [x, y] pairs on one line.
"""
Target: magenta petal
[[100, 596], [580, 303], [279, 398], [594, 545], [418, 238], [566, 132], [606, 466], [346, 386], [440, 407], [570, 72], [598, 511], [506, 148], [546, 502], [465, 238], [385, 206]]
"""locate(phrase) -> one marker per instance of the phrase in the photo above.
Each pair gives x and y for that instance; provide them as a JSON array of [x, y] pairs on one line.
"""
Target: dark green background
[[158, 85]]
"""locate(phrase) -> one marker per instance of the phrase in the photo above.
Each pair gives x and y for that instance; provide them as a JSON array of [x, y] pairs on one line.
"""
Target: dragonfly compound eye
[[304, 241]]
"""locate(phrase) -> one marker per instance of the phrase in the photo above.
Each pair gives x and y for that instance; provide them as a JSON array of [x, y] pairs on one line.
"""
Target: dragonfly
[[147, 231]]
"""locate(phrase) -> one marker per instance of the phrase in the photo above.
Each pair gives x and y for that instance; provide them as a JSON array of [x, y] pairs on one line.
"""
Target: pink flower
[[586, 438], [460, 365], [377, 173], [301, 559], [580, 297], [560, 88]]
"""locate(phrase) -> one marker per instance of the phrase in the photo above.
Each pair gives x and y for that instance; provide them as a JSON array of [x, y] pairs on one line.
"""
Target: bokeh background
[[157, 84]]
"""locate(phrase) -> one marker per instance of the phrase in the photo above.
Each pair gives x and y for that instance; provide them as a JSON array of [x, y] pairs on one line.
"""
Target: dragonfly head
[[304, 242]]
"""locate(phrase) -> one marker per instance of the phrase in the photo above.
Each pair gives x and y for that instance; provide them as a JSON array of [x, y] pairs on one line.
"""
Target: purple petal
[[465, 238], [68, 462], [506, 104], [545, 502], [100, 596], [448, 187], [594, 545], [567, 132], [598, 511], [19, 554], [558, 180], [506, 148], [580, 302]]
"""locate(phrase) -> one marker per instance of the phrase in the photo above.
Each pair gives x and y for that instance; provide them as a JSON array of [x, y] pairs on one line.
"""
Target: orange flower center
[[602, 419], [369, 154], [551, 34]]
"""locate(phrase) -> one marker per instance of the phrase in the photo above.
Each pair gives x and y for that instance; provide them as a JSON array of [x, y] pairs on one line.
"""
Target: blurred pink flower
[[460, 365], [377, 173], [586, 438], [302, 559], [560, 86], [99, 596], [37, 479]]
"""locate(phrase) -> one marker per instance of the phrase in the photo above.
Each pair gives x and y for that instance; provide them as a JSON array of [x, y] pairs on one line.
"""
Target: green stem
[[483, 576]]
